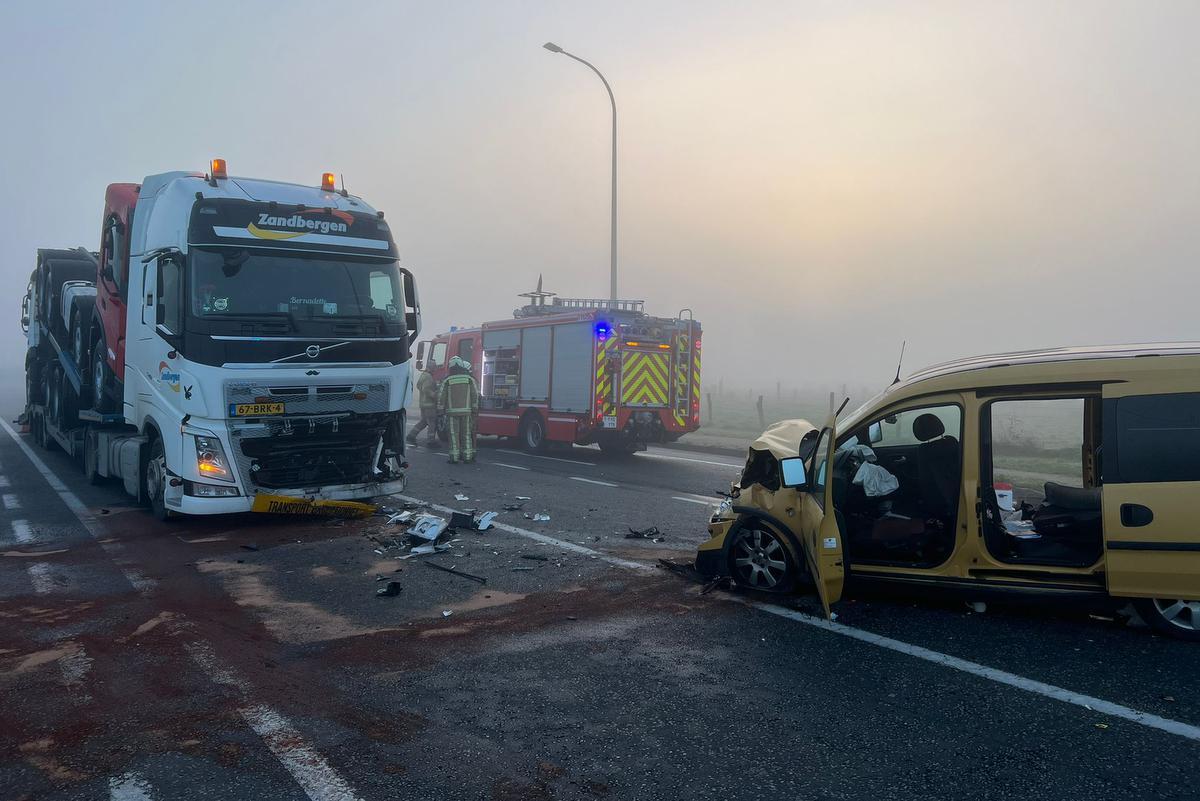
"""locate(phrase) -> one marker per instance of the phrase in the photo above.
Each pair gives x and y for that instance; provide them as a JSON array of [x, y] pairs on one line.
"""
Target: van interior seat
[[1076, 499], [938, 459]]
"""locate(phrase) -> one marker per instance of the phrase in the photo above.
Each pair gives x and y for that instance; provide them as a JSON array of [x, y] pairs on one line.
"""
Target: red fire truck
[[578, 370]]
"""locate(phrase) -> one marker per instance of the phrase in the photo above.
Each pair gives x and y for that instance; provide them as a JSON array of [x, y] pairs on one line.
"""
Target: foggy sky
[[816, 180]]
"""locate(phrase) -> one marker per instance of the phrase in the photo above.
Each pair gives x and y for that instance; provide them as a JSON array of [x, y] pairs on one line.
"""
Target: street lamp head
[[552, 47]]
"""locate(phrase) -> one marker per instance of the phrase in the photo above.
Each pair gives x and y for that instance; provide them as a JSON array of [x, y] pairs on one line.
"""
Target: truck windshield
[[239, 283]]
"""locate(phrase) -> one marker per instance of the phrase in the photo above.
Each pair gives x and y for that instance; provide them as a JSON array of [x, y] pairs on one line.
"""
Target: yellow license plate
[[254, 409]]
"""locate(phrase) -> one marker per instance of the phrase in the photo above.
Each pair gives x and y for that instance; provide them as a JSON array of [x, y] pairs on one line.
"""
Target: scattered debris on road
[[444, 569], [458, 496], [447, 612], [392, 589], [249, 546], [521, 569], [540, 517], [535, 557], [484, 521], [514, 507], [428, 527], [650, 533]]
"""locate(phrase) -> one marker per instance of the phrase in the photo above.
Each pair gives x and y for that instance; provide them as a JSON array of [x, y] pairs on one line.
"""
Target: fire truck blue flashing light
[[603, 330]]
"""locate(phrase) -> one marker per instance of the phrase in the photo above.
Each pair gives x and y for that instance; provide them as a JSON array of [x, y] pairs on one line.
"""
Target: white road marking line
[[649, 455], [593, 481], [547, 458], [992, 674], [22, 532], [41, 577], [543, 538], [11, 501], [129, 787], [509, 466], [315, 776], [701, 501]]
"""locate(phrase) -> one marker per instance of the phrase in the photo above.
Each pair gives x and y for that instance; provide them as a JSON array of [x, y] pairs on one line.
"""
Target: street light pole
[[553, 48]]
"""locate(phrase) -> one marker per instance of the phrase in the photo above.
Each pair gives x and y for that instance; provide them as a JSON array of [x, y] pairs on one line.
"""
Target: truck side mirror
[[412, 304], [792, 472], [106, 272]]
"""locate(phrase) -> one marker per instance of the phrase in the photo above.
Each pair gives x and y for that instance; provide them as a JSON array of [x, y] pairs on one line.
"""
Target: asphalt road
[[248, 657]]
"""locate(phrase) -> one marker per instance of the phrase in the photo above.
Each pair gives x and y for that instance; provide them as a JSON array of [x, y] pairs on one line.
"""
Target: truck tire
[[79, 351], [43, 435], [91, 458], [101, 378], [68, 402], [33, 378], [533, 433], [154, 481]]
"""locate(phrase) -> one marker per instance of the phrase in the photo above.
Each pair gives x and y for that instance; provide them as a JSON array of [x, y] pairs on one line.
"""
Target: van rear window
[[1157, 438]]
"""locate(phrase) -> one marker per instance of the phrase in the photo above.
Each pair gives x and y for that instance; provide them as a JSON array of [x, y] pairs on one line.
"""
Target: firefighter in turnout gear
[[459, 399], [427, 397]]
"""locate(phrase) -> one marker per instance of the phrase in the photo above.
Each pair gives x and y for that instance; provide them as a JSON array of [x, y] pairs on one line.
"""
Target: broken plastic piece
[[422, 550], [650, 533], [461, 520], [393, 588], [445, 569], [428, 527], [402, 517], [524, 498], [542, 518], [460, 497], [484, 521], [447, 612]]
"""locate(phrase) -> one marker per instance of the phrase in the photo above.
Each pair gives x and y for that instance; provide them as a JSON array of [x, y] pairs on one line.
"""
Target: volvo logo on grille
[[313, 351]]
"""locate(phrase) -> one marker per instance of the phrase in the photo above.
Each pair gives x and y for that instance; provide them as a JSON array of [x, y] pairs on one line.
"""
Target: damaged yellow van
[[1072, 473]]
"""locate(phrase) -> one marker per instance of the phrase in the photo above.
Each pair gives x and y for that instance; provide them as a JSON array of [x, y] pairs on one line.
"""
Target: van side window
[[819, 469], [1157, 438]]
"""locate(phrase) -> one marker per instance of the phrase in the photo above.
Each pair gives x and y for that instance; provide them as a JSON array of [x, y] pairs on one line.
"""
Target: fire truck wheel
[[533, 432]]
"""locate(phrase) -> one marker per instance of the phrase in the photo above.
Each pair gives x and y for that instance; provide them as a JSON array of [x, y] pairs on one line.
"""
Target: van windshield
[[245, 283]]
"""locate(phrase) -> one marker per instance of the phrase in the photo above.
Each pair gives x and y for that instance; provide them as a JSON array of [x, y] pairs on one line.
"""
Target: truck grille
[[314, 452]]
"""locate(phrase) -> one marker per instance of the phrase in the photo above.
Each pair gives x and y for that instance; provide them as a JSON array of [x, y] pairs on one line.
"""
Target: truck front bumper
[[192, 505]]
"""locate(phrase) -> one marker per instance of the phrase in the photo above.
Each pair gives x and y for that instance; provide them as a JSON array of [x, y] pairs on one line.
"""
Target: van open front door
[[819, 530], [1151, 484]]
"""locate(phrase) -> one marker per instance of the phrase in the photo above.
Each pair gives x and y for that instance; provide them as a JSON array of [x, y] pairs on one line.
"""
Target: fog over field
[[818, 181]]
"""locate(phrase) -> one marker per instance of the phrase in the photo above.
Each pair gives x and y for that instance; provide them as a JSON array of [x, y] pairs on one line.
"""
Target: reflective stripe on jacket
[[459, 395]]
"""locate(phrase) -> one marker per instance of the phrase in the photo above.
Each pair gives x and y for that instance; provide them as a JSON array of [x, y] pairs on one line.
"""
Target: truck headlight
[[210, 458]]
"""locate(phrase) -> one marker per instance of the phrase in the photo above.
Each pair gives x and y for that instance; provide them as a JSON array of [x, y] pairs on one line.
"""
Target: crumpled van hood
[[782, 439]]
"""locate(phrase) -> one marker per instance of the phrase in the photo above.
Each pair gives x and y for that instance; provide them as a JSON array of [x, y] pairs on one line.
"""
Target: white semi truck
[[236, 344]]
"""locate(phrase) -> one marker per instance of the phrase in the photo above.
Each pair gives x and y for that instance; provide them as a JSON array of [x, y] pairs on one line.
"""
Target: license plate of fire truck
[[254, 409], [610, 421]]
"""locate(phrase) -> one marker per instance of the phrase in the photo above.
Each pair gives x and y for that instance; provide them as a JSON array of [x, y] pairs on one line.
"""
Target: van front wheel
[[1171, 616], [759, 559]]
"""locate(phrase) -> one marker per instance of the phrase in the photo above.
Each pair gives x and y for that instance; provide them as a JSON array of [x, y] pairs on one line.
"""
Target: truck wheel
[[68, 402], [43, 436], [100, 378], [91, 458], [154, 481], [533, 432], [33, 378], [1173, 617], [79, 350]]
